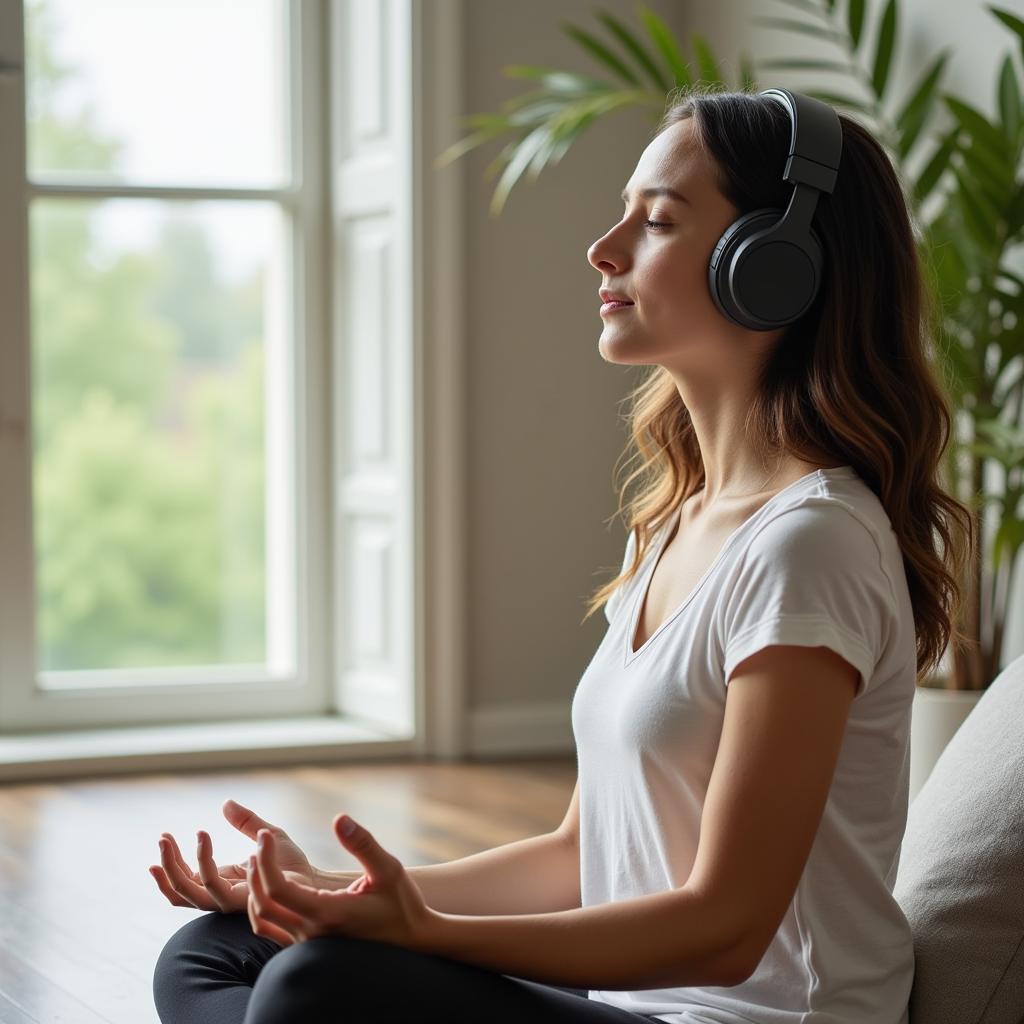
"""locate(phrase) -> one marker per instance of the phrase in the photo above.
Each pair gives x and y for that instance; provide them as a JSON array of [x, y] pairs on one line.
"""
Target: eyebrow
[[661, 190]]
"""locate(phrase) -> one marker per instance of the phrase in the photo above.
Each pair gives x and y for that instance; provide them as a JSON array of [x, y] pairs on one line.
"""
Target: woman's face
[[663, 269]]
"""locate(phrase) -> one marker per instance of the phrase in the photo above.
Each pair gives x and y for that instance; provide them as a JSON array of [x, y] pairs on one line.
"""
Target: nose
[[604, 257]]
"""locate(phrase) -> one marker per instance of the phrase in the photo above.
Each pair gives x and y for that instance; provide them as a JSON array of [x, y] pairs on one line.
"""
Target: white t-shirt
[[818, 564]]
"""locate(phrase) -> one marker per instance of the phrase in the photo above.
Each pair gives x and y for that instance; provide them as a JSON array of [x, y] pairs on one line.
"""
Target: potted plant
[[969, 208]]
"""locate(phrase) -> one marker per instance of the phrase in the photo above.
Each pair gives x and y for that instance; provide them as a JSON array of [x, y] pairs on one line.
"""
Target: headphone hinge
[[808, 172]]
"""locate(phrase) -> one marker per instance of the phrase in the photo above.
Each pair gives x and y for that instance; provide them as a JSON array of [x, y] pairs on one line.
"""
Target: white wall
[[541, 401]]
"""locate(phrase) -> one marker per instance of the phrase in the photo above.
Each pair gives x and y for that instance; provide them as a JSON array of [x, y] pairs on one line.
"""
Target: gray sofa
[[961, 873]]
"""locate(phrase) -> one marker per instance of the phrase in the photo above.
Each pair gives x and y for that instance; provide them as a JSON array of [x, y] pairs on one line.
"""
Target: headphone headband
[[815, 140], [765, 270]]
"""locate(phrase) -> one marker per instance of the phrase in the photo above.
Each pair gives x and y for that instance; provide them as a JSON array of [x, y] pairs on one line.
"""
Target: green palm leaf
[[498, 127], [1006, 435], [978, 126], [565, 137], [554, 80], [996, 174], [1010, 532], [1009, 101], [810, 6], [545, 153], [992, 176], [807, 64], [936, 165], [568, 123], [1015, 213], [600, 52], [884, 48], [793, 25], [548, 141], [911, 118], [706, 62], [666, 43], [855, 21], [632, 44], [975, 213], [991, 194], [1011, 21], [533, 106], [988, 451], [516, 165]]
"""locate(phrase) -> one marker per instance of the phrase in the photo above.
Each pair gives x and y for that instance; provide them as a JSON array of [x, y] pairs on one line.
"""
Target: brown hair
[[851, 378]]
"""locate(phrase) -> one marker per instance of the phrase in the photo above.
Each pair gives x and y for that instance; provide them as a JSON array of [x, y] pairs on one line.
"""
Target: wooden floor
[[82, 921]]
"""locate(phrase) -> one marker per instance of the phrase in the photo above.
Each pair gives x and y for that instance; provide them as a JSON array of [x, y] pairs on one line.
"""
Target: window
[[169, 204], [208, 390]]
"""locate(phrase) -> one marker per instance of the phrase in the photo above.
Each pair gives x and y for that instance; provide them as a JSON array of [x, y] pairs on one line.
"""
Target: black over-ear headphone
[[766, 269]]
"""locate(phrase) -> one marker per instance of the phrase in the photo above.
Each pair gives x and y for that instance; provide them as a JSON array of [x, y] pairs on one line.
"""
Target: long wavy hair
[[851, 378]]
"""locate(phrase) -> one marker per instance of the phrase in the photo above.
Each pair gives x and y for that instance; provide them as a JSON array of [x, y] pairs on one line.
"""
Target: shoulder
[[821, 554], [815, 576], [817, 531]]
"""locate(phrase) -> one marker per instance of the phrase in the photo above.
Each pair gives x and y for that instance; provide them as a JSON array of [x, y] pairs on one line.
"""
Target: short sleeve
[[813, 576], [613, 602]]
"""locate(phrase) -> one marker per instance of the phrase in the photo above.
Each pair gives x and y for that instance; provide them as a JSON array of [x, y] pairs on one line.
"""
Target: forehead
[[674, 158]]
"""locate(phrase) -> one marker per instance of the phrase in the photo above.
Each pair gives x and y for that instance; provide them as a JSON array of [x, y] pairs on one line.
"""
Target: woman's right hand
[[224, 887]]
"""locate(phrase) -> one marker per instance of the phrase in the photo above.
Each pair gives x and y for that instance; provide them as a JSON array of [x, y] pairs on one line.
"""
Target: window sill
[[194, 746]]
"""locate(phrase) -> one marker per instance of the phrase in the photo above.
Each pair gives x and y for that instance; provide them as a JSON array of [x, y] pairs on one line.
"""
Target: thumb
[[362, 845], [245, 820]]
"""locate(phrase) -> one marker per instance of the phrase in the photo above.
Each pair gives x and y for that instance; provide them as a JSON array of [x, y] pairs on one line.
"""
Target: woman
[[742, 729]]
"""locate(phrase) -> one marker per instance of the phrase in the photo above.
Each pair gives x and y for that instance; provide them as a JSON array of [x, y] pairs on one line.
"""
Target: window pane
[[150, 321], [153, 93]]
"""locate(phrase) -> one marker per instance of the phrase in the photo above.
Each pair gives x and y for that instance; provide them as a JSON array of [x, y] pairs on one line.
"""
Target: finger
[[218, 889], [262, 927], [165, 887], [271, 931], [176, 856], [292, 896], [378, 864], [244, 819], [265, 911], [250, 904], [185, 887]]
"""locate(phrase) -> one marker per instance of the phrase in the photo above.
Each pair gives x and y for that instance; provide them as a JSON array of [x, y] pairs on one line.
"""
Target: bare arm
[[679, 937], [529, 876]]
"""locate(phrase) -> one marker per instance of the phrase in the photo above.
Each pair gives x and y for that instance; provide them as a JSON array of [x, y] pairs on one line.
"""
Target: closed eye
[[655, 225]]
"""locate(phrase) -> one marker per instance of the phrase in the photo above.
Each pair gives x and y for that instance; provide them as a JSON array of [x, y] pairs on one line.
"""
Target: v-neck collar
[[641, 594]]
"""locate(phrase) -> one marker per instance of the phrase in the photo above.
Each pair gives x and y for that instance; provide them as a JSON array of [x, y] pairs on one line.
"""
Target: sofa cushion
[[960, 880]]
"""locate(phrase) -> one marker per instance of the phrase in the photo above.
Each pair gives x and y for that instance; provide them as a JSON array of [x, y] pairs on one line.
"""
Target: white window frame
[[375, 92]]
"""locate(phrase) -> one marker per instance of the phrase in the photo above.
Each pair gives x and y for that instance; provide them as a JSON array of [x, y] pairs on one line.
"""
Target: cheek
[[677, 277]]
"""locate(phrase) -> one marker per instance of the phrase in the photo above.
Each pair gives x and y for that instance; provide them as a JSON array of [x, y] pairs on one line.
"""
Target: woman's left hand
[[384, 904]]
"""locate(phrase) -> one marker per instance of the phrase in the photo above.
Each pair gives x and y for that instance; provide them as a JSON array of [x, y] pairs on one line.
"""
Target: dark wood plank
[[83, 922]]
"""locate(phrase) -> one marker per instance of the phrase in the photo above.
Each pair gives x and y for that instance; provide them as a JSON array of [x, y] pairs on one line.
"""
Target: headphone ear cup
[[722, 257], [770, 283]]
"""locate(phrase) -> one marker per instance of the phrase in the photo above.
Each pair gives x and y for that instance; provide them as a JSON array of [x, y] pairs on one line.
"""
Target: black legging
[[215, 970]]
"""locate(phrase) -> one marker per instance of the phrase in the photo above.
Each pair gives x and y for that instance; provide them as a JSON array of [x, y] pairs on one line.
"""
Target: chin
[[626, 354]]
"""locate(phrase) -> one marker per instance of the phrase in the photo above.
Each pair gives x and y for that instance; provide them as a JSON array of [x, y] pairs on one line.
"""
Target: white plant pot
[[937, 714]]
